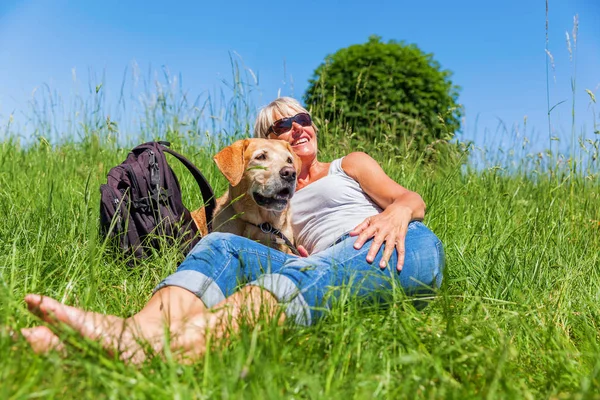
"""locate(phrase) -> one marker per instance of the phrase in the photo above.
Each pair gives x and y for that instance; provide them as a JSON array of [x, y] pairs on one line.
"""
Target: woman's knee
[[423, 240], [214, 241], [424, 265], [218, 236]]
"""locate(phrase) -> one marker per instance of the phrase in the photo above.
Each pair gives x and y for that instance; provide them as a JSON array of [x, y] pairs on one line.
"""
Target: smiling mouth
[[300, 141], [276, 202]]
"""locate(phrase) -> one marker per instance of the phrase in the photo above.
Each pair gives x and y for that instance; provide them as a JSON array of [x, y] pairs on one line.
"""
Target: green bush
[[386, 91]]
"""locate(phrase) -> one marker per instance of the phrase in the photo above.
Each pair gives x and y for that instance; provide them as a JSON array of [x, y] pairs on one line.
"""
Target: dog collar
[[266, 227]]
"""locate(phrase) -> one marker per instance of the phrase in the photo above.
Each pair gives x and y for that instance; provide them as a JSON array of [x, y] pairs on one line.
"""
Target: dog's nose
[[287, 174]]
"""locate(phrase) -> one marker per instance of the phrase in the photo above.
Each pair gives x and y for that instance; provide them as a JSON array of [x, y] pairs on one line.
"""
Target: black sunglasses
[[283, 125]]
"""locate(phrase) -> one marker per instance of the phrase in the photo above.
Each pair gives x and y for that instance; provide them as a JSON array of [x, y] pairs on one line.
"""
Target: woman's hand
[[399, 205], [302, 252], [387, 228]]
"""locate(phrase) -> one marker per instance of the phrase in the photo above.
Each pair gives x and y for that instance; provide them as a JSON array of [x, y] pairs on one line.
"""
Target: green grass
[[517, 315]]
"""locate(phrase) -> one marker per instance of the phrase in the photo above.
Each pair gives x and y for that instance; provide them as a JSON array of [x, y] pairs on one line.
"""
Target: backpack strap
[[205, 189]]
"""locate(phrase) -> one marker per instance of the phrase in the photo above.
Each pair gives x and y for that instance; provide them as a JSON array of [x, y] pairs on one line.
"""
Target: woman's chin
[[305, 150]]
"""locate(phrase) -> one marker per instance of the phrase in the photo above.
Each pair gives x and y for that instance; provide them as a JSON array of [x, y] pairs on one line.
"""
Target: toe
[[42, 339], [44, 307]]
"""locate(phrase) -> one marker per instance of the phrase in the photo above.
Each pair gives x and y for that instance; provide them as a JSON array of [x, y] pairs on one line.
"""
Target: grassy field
[[517, 316]]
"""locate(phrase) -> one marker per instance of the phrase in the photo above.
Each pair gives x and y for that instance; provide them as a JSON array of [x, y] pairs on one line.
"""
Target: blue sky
[[495, 49]]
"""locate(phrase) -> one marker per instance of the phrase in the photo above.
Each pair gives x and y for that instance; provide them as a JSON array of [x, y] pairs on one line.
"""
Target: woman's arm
[[399, 205]]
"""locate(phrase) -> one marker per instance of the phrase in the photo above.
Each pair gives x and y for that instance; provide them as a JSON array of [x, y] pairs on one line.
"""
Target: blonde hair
[[283, 106]]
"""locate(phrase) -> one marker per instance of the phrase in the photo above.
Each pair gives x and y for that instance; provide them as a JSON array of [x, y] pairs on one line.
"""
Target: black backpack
[[141, 206]]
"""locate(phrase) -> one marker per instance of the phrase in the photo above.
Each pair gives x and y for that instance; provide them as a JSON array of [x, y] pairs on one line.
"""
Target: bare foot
[[132, 338], [146, 333], [115, 334], [42, 340]]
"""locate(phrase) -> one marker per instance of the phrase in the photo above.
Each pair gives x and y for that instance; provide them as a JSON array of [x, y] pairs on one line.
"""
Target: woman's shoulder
[[354, 162], [356, 156]]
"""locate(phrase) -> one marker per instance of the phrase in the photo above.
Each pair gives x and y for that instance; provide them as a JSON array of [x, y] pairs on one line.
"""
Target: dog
[[262, 180]]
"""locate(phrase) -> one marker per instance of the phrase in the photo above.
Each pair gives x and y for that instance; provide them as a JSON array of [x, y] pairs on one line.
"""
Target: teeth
[[301, 141]]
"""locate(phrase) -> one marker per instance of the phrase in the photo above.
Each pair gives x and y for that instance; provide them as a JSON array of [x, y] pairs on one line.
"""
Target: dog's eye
[[290, 161], [261, 157]]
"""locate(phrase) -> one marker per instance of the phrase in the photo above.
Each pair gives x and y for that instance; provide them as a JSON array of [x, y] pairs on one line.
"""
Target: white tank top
[[329, 207]]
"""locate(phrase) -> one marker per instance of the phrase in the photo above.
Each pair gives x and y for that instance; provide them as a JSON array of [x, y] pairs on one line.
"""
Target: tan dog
[[262, 179]]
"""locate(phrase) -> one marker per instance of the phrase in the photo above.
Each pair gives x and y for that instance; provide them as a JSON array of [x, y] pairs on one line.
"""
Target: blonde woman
[[355, 228]]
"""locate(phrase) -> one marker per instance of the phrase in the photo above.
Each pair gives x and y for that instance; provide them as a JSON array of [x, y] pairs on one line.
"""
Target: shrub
[[386, 91]]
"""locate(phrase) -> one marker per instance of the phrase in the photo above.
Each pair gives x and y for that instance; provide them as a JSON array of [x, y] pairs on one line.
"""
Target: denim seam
[[267, 255], [334, 263], [216, 278]]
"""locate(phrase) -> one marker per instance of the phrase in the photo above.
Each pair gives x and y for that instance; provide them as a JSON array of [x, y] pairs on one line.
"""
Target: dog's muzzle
[[276, 194]]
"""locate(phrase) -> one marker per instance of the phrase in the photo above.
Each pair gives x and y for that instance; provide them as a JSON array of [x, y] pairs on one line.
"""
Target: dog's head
[[264, 169]]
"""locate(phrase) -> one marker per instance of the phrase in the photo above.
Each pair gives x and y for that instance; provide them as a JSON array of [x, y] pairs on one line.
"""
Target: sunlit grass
[[517, 316]]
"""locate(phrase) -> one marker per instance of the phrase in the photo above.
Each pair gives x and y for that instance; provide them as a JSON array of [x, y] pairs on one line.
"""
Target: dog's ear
[[230, 161]]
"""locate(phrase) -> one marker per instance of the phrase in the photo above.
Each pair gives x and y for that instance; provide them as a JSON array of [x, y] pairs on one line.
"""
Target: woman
[[351, 222]]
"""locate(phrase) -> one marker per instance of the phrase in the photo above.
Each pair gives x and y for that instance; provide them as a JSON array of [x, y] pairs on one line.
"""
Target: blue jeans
[[222, 263]]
